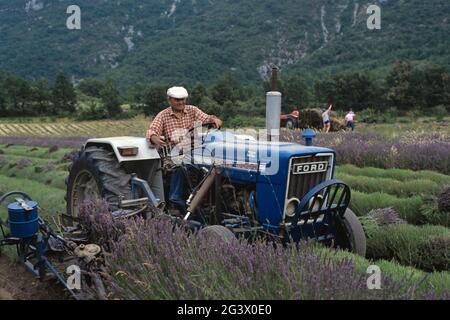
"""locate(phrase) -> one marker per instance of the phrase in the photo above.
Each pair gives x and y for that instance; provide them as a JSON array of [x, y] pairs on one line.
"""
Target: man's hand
[[157, 141], [216, 121]]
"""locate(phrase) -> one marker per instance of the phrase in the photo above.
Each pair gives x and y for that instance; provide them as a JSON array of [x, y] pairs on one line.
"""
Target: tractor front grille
[[300, 184]]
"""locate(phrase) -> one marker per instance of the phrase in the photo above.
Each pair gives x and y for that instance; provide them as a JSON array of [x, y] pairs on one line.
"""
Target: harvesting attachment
[[41, 249]]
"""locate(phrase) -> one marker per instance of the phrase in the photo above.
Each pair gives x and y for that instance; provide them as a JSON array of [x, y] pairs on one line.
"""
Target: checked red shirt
[[169, 124]]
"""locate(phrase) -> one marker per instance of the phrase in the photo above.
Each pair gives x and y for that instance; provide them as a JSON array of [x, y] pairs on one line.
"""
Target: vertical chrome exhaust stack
[[273, 108]]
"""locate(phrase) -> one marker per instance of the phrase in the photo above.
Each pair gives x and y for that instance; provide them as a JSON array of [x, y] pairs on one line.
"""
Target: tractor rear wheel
[[96, 174], [350, 234]]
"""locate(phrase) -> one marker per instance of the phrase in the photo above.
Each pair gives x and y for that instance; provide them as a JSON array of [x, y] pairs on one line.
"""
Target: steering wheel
[[208, 125], [165, 152]]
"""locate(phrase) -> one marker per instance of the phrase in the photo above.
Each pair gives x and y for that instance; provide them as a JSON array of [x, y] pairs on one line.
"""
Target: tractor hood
[[247, 153]]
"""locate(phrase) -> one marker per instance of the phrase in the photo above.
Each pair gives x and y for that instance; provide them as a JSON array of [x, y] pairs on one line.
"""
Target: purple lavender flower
[[23, 163], [154, 259], [62, 142], [418, 152]]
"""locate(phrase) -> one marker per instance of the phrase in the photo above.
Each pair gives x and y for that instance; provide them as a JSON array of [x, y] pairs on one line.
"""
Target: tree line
[[406, 87]]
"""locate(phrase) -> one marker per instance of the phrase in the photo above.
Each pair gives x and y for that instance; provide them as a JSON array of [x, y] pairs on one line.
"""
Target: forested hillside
[[199, 40]]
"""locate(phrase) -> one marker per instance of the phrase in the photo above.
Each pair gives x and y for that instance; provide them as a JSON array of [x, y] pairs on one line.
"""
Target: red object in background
[[289, 121]]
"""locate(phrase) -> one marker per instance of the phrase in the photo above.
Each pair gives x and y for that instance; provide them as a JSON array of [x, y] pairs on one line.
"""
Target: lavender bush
[[70, 156], [435, 254], [410, 245], [416, 152], [97, 219], [385, 216], [433, 211], [23, 163], [153, 259], [3, 161], [444, 200], [49, 166]]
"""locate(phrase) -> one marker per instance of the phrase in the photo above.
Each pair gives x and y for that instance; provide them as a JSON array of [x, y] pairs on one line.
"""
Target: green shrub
[[390, 115], [369, 225], [390, 186], [407, 244], [440, 112], [369, 116], [414, 114], [435, 254], [444, 200], [240, 121], [408, 208], [93, 110], [396, 174], [431, 214], [440, 281]]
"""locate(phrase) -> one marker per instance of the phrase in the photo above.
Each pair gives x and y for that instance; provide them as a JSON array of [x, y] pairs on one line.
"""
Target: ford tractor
[[236, 186]]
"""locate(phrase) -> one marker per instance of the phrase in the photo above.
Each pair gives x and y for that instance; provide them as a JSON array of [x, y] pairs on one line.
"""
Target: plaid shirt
[[173, 125]]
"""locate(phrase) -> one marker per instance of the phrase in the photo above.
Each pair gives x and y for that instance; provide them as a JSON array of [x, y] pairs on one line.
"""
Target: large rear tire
[[96, 174]]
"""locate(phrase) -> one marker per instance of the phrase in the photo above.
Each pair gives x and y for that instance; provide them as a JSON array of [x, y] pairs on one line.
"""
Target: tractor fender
[[114, 143]]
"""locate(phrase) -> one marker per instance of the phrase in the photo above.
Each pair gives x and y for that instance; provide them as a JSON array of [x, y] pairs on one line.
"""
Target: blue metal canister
[[23, 223]]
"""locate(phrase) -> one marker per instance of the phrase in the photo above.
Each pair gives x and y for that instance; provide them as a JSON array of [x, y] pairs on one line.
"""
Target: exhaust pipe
[[273, 108]]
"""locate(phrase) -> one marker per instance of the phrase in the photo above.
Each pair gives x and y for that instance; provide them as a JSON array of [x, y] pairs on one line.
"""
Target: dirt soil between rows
[[17, 283]]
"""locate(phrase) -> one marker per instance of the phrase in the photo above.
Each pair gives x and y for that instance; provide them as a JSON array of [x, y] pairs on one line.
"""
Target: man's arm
[[154, 132], [205, 118]]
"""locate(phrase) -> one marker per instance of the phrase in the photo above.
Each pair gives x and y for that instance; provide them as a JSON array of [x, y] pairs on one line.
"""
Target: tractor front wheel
[[96, 174], [218, 232], [350, 234]]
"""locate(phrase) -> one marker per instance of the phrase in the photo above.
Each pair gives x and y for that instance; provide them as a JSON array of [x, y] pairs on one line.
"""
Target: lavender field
[[400, 190], [410, 151], [150, 259]]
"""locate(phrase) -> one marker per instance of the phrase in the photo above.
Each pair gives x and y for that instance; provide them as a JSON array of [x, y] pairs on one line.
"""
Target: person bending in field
[[326, 119], [165, 128]]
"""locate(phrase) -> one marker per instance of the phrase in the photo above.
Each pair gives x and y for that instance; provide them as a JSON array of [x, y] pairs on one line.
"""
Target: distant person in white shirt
[[326, 119], [350, 120]]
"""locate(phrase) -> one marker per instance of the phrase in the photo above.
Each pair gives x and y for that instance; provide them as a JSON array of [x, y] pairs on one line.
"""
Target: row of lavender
[[411, 151], [152, 259], [42, 141]]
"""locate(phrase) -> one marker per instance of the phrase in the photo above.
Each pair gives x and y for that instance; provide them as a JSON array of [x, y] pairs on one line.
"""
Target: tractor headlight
[[317, 203], [128, 151], [291, 207]]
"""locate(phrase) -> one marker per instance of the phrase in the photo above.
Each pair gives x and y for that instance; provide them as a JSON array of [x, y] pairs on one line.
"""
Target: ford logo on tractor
[[312, 167]]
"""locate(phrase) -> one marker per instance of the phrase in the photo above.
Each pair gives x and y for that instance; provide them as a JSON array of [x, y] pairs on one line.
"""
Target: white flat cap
[[177, 93]]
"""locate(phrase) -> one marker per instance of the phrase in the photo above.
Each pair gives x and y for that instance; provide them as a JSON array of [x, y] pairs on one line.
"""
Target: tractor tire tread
[[112, 180]]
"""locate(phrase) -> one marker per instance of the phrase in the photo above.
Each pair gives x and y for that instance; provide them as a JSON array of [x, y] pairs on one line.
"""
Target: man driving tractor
[[165, 130]]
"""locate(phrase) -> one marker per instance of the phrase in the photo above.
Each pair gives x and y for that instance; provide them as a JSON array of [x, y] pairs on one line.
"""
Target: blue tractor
[[236, 186]]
